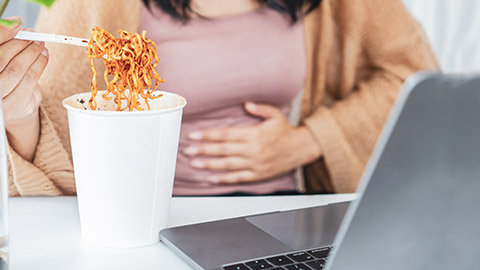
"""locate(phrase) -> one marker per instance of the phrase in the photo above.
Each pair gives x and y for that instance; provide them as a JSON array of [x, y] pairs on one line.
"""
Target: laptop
[[418, 206]]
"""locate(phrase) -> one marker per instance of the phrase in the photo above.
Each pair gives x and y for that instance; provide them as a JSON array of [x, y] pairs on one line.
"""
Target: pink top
[[218, 65]]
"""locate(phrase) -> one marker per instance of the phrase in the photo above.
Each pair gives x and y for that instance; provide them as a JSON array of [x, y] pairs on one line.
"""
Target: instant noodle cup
[[124, 163]]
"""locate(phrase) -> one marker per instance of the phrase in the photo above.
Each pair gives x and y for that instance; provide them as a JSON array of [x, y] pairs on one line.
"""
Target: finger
[[227, 134], [262, 110], [228, 163], [215, 149], [30, 80], [26, 96], [7, 33], [237, 177], [9, 49], [16, 69]]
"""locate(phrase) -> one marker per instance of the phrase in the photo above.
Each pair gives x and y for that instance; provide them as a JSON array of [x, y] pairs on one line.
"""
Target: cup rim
[[123, 113]]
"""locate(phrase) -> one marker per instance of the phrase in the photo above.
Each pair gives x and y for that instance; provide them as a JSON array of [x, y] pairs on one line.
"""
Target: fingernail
[[251, 106], [195, 135], [45, 52], [197, 164], [213, 179], [15, 18], [39, 42], [190, 151]]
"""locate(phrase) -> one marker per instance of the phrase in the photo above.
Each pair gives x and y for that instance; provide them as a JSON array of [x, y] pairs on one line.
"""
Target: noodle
[[131, 60]]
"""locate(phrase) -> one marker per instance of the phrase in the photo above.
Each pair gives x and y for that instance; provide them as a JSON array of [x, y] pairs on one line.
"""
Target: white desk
[[45, 232]]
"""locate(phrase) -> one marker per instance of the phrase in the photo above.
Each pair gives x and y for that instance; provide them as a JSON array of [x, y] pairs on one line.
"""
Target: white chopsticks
[[25, 35]]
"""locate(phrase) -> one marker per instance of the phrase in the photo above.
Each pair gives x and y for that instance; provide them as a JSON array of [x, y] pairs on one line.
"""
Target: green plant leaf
[[47, 3], [7, 23]]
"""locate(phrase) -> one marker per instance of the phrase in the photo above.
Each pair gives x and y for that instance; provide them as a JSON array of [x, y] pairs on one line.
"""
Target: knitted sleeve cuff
[[51, 172], [52, 158], [28, 179], [340, 159]]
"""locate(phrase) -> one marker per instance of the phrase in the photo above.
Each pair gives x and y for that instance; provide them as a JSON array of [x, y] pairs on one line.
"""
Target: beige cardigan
[[359, 53]]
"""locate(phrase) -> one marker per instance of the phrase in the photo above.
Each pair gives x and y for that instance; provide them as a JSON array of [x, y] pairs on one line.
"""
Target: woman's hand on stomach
[[256, 153], [21, 65]]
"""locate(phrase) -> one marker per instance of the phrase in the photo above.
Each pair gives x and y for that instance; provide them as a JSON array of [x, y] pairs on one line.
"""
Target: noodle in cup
[[124, 163]]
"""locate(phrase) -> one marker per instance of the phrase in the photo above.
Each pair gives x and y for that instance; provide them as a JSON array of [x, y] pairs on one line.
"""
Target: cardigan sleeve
[[50, 173], [395, 47]]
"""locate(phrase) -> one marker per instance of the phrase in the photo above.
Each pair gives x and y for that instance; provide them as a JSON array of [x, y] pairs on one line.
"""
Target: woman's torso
[[218, 65]]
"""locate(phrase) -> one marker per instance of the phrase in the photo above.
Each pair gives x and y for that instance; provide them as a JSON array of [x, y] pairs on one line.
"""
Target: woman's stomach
[[193, 181]]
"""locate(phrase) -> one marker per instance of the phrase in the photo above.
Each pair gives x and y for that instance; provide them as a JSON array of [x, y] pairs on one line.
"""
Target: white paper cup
[[124, 166]]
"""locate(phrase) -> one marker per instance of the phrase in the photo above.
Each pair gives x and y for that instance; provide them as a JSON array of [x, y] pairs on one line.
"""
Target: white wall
[[452, 26]]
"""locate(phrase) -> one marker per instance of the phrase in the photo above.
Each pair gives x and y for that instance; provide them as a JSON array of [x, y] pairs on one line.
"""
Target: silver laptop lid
[[419, 208]]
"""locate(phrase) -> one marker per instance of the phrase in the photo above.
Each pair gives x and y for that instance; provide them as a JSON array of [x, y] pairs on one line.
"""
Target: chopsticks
[[25, 35]]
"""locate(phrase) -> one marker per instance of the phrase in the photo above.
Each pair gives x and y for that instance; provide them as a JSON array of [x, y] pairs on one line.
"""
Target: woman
[[240, 64]]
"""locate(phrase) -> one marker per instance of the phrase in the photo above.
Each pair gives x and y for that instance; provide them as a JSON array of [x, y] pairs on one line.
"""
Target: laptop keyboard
[[300, 260]]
